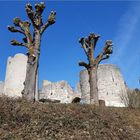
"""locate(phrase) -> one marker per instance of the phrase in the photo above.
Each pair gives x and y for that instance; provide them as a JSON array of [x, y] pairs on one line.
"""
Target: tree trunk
[[93, 86], [37, 85], [32, 69]]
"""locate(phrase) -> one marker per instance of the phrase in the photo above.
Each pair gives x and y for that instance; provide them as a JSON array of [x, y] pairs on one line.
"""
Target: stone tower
[[1, 87], [15, 75], [111, 86]]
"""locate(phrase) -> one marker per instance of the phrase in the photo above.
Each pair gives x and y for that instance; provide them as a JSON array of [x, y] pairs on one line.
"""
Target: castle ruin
[[15, 75], [111, 85], [61, 91]]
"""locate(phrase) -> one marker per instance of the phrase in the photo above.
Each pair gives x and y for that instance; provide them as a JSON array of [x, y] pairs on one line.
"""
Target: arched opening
[[76, 100]]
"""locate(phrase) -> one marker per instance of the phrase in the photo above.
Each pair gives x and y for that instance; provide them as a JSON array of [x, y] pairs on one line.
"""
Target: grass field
[[22, 120]]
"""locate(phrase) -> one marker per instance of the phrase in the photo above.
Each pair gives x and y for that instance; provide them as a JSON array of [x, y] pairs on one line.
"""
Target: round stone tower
[[111, 86], [15, 75]]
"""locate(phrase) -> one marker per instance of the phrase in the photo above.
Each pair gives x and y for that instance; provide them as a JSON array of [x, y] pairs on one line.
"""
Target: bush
[[133, 98]]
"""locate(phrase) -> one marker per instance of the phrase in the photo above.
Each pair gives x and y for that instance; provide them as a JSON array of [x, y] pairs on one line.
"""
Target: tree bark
[[37, 85], [32, 69], [89, 44], [30, 91], [93, 86]]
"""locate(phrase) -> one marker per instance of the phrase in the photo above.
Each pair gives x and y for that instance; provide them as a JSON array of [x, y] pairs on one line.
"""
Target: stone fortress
[[15, 75], [58, 91], [111, 85]]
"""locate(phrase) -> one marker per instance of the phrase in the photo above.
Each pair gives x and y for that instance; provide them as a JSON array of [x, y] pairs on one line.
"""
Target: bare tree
[[89, 45], [32, 42]]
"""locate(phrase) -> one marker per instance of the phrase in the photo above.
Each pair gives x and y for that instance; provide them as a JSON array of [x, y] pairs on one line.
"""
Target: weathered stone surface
[[78, 89], [111, 86], [15, 75], [84, 85], [57, 91], [1, 87]]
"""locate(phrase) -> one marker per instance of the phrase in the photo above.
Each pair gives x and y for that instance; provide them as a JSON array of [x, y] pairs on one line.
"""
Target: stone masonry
[[57, 91], [111, 86], [1, 87], [15, 75]]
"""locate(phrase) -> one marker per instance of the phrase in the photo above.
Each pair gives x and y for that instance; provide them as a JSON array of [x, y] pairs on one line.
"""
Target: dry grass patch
[[20, 119]]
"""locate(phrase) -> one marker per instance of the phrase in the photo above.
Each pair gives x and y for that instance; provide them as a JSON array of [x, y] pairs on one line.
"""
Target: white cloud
[[126, 30]]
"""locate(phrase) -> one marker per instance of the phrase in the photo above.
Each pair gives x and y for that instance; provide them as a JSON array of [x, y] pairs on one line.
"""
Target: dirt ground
[[22, 120]]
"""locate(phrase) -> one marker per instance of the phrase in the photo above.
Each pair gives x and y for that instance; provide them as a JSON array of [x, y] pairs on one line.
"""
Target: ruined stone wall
[[111, 86], [1, 87], [57, 91], [15, 75]]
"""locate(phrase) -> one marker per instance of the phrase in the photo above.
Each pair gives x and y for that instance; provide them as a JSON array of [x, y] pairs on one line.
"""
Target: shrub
[[133, 98]]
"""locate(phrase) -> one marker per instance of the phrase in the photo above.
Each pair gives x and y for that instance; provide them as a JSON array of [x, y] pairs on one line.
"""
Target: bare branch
[[44, 27], [27, 23], [108, 47], [51, 20], [105, 57], [93, 39], [35, 16], [30, 12], [81, 63], [16, 21], [109, 43], [84, 45], [106, 52], [16, 43], [40, 8], [98, 59], [81, 40], [25, 27], [25, 40], [88, 44], [13, 29]]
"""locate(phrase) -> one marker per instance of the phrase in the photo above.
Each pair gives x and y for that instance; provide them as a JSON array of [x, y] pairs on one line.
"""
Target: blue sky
[[60, 50]]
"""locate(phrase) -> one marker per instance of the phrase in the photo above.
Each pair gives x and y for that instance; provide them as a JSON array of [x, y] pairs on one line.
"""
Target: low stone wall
[[57, 91], [111, 86]]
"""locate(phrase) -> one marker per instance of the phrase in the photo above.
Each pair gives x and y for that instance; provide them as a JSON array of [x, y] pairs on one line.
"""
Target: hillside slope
[[22, 120]]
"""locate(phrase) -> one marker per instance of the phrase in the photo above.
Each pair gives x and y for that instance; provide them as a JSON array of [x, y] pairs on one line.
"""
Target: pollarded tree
[[89, 45], [32, 41]]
